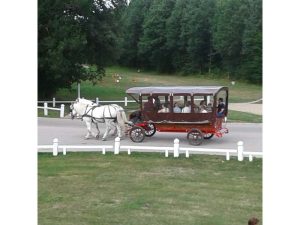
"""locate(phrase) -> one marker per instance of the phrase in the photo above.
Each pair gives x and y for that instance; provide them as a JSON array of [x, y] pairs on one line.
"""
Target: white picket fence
[[46, 108], [176, 149], [96, 100], [62, 106]]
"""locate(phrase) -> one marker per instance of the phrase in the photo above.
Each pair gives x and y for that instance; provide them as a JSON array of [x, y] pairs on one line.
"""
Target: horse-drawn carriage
[[197, 110]]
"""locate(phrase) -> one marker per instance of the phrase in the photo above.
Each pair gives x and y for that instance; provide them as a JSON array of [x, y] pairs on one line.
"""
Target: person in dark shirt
[[221, 108], [149, 106], [220, 113]]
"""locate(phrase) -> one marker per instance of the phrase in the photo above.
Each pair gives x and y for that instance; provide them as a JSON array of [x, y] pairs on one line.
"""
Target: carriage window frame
[[184, 98]]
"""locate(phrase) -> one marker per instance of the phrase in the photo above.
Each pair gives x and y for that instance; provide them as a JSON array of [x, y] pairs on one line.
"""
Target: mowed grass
[[108, 89], [147, 188]]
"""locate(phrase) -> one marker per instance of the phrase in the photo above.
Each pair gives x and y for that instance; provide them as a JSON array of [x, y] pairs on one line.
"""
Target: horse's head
[[72, 110]]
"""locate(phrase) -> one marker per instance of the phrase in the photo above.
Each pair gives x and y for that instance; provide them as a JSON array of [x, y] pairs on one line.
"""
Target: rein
[[95, 119]]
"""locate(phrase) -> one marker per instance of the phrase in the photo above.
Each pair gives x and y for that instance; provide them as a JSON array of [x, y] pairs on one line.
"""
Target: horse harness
[[95, 119]]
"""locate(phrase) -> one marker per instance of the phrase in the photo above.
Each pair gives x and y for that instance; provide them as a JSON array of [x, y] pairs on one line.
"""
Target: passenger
[[196, 108], [165, 108], [202, 107], [176, 108], [149, 106], [187, 108], [157, 104]]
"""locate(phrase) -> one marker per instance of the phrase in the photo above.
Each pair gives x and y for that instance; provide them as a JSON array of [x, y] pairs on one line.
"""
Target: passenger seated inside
[[202, 107], [157, 104], [149, 106], [165, 108], [187, 108], [176, 108]]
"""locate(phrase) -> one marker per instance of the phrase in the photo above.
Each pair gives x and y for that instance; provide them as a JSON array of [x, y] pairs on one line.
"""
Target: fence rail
[[176, 149]]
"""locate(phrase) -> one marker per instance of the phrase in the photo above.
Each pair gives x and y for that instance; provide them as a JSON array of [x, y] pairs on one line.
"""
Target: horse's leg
[[114, 129], [107, 129], [98, 134], [89, 128]]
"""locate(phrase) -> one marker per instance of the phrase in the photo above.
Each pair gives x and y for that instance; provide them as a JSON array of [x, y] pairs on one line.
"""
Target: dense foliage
[[195, 36], [78, 38]]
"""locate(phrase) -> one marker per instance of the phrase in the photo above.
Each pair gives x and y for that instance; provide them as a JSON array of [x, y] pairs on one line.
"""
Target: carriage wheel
[[150, 130], [137, 134], [195, 137], [208, 135]]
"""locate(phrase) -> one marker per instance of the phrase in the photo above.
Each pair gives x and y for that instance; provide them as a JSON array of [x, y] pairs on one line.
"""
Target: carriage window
[[203, 103], [181, 104], [156, 103]]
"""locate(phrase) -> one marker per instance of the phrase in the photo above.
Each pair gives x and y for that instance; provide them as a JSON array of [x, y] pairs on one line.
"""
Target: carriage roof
[[209, 90]]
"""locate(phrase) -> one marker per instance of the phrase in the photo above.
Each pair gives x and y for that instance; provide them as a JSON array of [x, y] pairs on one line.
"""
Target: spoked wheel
[[137, 134], [208, 135], [195, 137], [150, 130]]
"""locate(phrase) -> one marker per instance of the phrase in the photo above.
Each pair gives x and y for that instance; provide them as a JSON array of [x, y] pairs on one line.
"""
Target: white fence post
[[45, 109], [240, 150], [128, 151], [53, 102], [187, 154], [78, 90], [166, 153], [176, 147], [250, 158], [55, 147], [125, 101], [64, 150], [227, 156], [103, 151], [117, 145], [62, 110], [97, 100]]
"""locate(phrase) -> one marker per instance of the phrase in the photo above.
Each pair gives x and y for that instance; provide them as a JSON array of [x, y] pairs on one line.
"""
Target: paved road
[[72, 132]]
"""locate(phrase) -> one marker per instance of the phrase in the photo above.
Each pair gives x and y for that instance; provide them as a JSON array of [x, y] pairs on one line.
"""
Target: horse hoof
[[97, 136], [103, 139]]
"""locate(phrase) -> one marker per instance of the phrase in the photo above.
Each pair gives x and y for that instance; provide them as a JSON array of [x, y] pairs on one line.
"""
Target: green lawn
[[147, 188], [107, 89]]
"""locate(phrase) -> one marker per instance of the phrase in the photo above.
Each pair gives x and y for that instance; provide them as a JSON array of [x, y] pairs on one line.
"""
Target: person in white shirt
[[187, 108]]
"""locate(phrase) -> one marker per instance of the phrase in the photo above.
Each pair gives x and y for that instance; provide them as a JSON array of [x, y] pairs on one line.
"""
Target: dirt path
[[246, 107]]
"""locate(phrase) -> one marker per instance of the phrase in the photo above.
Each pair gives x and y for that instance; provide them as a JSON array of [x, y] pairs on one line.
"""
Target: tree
[[152, 45], [251, 68], [72, 34], [132, 30], [229, 24], [200, 34]]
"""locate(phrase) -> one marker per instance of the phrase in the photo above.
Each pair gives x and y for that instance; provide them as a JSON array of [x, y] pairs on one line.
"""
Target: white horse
[[88, 120], [111, 115]]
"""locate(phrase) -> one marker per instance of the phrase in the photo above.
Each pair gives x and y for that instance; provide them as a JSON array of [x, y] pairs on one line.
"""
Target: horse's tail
[[121, 120]]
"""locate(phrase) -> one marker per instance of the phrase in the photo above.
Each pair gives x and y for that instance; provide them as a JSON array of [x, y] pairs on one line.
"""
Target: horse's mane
[[85, 101]]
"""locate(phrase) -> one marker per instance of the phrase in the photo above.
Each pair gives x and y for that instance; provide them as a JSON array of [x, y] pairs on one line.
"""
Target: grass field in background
[[147, 188], [108, 89]]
